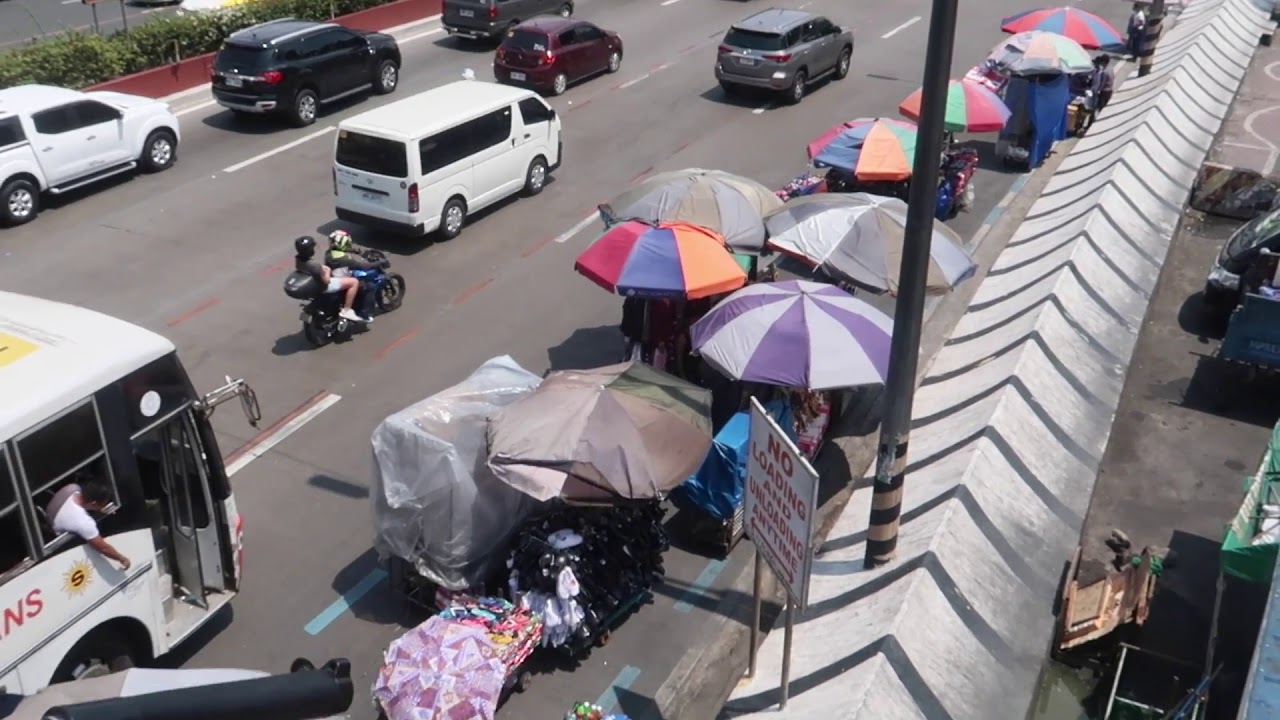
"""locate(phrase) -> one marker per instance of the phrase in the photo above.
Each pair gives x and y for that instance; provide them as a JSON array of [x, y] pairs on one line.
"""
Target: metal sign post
[[93, 7], [124, 16], [778, 513]]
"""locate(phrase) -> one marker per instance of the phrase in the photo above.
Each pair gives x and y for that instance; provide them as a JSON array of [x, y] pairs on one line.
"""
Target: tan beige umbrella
[[729, 204], [624, 431]]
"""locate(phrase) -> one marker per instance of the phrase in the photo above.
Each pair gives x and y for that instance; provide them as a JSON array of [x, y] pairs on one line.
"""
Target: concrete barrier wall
[[1013, 417], [1233, 192], [194, 72]]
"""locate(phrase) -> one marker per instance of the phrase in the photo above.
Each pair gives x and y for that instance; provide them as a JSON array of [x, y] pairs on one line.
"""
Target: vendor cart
[[1039, 105], [1252, 339]]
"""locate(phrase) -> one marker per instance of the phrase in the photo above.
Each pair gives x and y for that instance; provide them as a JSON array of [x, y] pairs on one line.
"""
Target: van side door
[[535, 137], [498, 169], [447, 168]]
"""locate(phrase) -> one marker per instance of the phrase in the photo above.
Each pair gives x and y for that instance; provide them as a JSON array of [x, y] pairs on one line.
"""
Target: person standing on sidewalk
[[1137, 27], [1103, 82]]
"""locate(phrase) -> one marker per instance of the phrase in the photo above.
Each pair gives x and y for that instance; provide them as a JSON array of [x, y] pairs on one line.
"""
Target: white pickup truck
[[53, 140]]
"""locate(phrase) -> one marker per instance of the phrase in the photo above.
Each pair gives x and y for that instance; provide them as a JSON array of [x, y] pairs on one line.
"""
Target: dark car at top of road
[[783, 51], [549, 53], [293, 67], [491, 19]]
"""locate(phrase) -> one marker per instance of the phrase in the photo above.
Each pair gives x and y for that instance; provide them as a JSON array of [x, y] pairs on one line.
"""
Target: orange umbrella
[[666, 260]]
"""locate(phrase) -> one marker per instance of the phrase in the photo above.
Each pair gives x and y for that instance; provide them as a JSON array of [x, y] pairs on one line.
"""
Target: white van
[[424, 163]]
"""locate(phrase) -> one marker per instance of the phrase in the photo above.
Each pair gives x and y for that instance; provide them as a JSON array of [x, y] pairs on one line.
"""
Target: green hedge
[[76, 59]]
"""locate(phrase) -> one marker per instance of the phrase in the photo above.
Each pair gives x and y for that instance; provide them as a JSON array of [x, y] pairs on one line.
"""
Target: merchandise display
[[591, 711], [580, 568]]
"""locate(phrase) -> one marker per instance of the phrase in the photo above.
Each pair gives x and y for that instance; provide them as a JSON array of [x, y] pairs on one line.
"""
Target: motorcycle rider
[[304, 261], [343, 256]]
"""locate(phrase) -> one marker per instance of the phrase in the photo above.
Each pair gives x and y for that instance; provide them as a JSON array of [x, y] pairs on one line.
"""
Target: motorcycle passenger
[[304, 261]]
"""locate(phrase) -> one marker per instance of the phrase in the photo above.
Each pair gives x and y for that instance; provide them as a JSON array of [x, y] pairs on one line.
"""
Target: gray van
[[784, 51], [491, 19]]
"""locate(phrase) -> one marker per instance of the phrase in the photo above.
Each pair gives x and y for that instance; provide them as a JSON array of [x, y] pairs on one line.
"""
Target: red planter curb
[[194, 72]]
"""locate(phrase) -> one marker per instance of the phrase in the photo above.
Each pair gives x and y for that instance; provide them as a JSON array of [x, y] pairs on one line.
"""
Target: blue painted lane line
[[609, 698], [700, 585], [344, 603]]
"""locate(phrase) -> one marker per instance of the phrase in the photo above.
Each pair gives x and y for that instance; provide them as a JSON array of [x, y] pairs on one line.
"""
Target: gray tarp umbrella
[[624, 431], [729, 204]]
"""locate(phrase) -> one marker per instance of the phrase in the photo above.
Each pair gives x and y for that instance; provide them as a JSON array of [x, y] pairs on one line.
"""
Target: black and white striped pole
[[908, 318], [1150, 37]]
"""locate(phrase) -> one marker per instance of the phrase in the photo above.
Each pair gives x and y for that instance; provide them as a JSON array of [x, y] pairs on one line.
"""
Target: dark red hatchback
[[550, 53]]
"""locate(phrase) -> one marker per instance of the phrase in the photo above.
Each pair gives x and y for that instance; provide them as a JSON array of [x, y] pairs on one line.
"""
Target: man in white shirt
[[1137, 27], [68, 512]]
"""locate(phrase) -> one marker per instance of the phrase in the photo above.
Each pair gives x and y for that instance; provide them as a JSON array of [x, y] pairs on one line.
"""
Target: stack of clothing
[[577, 567], [591, 711], [514, 631], [806, 184]]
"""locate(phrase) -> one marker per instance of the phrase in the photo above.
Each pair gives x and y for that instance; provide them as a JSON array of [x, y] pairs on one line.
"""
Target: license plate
[[747, 61], [371, 197], [234, 81], [467, 13], [517, 76]]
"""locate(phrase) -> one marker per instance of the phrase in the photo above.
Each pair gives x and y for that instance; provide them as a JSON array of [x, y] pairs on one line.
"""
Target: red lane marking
[[582, 104], [277, 267], [471, 292], [384, 352], [619, 85], [659, 68], [682, 148], [271, 429], [194, 312], [538, 246], [644, 172], [689, 49]]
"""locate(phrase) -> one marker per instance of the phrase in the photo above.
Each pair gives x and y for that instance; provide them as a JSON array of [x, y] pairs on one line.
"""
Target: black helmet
[[305, 246]]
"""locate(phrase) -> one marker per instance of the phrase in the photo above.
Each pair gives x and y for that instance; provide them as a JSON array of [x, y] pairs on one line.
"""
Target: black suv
[[491, 19], [292, 67]]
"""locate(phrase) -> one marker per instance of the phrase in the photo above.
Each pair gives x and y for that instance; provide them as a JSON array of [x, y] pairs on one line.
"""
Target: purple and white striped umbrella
[[796, 334]]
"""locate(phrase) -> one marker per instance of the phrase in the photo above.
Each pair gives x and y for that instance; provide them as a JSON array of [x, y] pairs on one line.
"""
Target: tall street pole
[[908, 318], [1150, 37]]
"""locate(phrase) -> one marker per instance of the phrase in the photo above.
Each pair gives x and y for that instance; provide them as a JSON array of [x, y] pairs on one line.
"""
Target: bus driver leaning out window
[[68, 512]]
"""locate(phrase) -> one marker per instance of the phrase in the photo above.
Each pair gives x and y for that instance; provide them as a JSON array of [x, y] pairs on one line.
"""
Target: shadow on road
[[339, 486], [588, 348]]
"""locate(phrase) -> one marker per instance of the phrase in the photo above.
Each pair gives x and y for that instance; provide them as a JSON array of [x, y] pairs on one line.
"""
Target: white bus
[[88, 398]]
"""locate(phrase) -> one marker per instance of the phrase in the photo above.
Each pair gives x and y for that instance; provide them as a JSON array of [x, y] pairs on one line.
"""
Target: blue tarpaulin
[[1047, 103], [717, 487]]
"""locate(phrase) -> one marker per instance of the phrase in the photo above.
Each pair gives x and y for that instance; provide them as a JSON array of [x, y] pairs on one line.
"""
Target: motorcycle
[[321, 323]]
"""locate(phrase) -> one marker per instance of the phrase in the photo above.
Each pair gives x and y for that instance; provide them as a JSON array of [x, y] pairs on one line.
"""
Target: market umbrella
[[731, 205], [796, 334], [872, 149], [859, 238], [971, 107], [625, 431], [440, 669], [666, 260], [1040, 53], [1082, 26]]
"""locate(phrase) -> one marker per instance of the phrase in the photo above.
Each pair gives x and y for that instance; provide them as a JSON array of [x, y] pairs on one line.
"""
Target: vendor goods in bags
[[591, 711], [580, 567]]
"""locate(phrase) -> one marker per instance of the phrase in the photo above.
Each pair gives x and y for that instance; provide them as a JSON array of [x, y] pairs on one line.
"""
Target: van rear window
[[372, 154]]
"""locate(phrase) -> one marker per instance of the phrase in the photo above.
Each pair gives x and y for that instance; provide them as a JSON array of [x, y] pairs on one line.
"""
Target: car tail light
[[550, 57], [272, 77], [413, 198], [493, 12], [724, 49], [335, 180], [778, 57]]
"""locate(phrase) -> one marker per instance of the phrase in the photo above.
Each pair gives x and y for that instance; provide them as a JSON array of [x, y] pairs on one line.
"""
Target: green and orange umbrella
[[971, 107], [871, 149]]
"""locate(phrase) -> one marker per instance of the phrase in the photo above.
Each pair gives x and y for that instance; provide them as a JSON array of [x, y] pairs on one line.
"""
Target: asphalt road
[[198, 254], [23, 21]]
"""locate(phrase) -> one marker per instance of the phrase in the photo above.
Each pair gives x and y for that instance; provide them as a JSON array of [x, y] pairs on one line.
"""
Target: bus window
[[15, 553], [155, 391]]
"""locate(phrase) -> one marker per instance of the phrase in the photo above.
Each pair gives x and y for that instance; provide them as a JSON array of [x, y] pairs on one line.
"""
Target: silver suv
[[784, 51]]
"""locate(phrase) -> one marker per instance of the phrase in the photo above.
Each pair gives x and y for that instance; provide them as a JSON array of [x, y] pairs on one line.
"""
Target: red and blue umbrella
[[872, 149], [1082, 26], [662, 261]]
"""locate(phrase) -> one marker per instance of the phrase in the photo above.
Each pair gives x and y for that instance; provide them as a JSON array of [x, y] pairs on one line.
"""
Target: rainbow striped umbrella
[[1084, 27], [1037, 52], [873, 149], [971, 107], [666, 260]]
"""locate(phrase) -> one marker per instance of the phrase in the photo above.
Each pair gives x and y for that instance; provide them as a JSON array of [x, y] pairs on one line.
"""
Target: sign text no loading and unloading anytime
[[781, 500]]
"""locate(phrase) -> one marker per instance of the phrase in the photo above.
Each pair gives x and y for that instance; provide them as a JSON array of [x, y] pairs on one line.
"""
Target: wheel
[[536, 177], [387, 78], [1219, 298], [842, 65], [314, 335], [603, 638], [729, 88], [306, 106], [96, 655], [796, 92], [560, 84], [391, 295], [452, 218], [19, 202], [159, 151], [524, 682], [615, 61], [565, 10]]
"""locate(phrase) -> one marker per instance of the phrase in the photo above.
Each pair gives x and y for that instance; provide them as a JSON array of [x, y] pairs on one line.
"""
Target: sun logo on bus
[[77, 579]]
